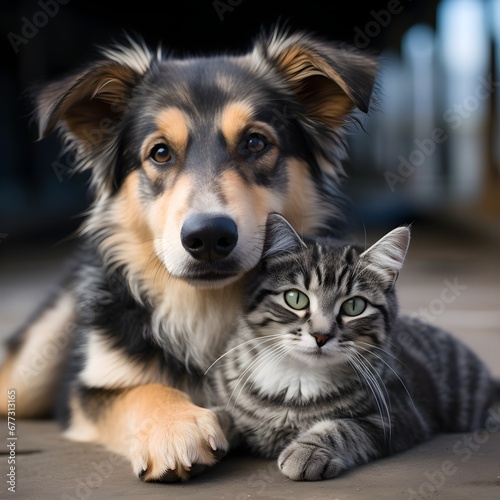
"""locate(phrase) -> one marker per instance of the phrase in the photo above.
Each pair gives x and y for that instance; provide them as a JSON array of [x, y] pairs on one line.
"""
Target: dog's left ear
[[328, 79]]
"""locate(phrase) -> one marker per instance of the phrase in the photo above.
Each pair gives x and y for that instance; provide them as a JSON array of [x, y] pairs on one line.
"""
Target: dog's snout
[[209, 238]]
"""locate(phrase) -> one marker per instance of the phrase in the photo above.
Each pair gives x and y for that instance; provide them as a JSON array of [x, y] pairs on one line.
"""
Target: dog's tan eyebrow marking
[[174, 125], [235, 116]]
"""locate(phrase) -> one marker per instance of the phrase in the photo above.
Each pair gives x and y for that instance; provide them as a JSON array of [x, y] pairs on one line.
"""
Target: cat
[[313, 374]]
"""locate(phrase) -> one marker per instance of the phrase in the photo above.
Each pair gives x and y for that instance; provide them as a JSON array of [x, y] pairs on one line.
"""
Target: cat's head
[[324, 296]]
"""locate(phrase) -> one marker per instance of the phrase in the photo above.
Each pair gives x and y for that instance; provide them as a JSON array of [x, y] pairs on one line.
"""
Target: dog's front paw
[[177, 442], [307, 460]]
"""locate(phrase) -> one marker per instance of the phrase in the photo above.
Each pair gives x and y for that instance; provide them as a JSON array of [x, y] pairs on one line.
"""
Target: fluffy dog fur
[[174, 144]]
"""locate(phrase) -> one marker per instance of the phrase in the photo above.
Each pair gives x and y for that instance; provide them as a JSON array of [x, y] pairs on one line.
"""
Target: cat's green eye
[[354, 306], [296, 299]]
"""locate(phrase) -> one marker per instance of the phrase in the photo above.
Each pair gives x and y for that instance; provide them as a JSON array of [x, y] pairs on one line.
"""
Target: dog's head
[[188, 156]]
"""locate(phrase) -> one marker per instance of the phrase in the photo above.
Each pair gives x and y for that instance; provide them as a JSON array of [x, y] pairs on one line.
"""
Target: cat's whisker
[[395, 373], [378, 398], [379, 388], [236, 358], [374, 385], [371, 346], [281, 353], [266, 360], [361, 371], [269, 357], [377, 375], [267, 351], [258, 341], [252, 358]]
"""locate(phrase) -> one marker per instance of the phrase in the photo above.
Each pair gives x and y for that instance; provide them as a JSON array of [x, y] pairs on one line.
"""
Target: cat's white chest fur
[[296, 380]]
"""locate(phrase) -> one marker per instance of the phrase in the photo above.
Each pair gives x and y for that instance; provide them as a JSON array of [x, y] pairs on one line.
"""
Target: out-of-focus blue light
[[464, 37]]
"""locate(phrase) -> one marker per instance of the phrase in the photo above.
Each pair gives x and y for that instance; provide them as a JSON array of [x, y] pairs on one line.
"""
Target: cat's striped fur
[[325, 391]]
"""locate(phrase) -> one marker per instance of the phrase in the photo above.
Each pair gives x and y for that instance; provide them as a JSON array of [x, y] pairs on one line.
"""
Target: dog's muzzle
[[209, 238]]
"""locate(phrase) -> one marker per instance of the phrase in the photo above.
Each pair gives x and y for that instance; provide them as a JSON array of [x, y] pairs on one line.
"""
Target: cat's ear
[[281, 237], [388, 254]]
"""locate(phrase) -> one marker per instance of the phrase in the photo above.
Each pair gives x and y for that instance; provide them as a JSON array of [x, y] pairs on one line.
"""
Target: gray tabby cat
[[311, 374]]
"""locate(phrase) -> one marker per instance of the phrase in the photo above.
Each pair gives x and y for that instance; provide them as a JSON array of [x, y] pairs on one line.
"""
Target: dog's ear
[[328, 79], [79, 103], [87, 107]]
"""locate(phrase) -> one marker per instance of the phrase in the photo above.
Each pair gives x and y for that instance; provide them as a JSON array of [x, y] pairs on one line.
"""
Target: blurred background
[[430, 147], [428, 154]]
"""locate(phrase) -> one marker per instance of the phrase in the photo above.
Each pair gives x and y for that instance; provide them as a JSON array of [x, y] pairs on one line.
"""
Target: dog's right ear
[[87, 107], [80, 102], [77, 104]]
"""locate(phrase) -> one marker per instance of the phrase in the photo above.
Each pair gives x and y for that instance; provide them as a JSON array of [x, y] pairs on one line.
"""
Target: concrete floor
[[447, 467]]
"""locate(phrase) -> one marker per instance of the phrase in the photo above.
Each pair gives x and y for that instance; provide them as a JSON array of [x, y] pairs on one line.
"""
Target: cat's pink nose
[[321, 339]]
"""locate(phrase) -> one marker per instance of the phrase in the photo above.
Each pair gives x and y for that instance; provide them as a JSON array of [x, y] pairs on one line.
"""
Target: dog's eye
[[160, 154], [256, 143]]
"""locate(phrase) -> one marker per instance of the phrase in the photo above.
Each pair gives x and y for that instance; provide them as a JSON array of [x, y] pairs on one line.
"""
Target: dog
[[187, 156]]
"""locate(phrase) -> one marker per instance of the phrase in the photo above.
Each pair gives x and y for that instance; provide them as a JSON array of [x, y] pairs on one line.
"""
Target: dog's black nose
[[209, 238]]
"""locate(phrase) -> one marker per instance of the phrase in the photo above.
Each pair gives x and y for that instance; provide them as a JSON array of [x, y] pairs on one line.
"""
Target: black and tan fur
[[176, 146]]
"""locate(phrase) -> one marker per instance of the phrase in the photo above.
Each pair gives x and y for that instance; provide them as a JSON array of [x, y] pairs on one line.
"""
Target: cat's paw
[[305, 460]]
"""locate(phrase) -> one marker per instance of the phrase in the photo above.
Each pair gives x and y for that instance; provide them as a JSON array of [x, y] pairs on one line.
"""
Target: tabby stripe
[[456, 404], [319, 275], [307, 279], [341, 279], [315, 253], [385, 314], [323, 471], [476, 391], [376, 431], [259, 297], [484, 389], [470, 395], [263, 323], [333, 442]]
